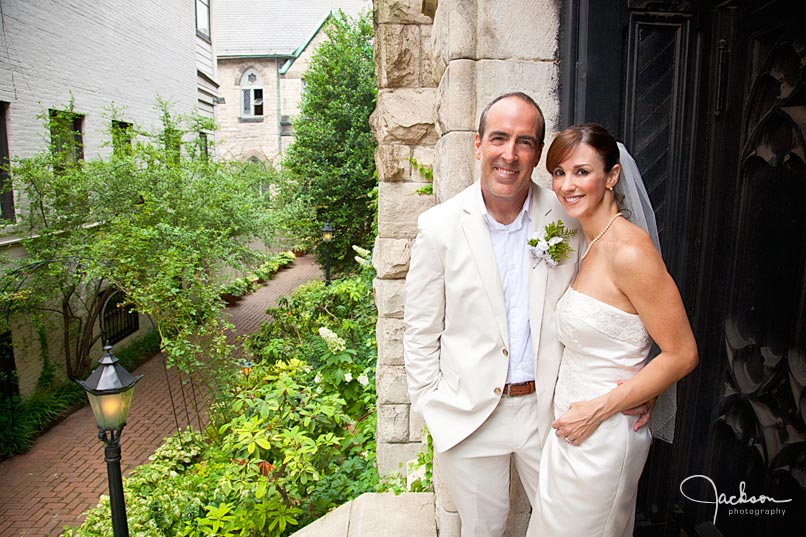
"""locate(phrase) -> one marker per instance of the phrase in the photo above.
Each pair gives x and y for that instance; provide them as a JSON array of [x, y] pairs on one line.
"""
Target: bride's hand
[[644, 412], [579, 421]]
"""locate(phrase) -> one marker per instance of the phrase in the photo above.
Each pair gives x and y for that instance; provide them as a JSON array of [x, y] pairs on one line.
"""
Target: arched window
[[251, 94], [118, 319]]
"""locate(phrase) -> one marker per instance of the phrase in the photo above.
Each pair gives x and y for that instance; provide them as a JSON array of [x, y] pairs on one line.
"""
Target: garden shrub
[[291, 441]]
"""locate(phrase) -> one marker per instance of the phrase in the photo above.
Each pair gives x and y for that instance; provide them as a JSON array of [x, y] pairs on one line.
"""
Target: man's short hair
[[522, 96]]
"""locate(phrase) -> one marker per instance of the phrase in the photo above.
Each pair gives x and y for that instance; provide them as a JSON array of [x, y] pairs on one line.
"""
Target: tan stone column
[[403, 125], [479, 49]]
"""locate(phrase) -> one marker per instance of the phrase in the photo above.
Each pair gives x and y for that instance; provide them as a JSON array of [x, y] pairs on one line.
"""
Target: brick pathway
[[63, 474]]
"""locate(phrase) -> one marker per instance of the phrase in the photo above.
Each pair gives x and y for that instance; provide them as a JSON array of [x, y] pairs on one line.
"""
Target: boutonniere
[[550, 244]]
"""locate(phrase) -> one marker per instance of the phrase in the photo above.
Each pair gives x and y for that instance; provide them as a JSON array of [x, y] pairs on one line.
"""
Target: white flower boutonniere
[[550, 244]]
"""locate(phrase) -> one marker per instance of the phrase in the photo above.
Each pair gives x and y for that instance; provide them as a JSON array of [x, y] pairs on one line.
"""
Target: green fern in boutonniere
[[550, 244]]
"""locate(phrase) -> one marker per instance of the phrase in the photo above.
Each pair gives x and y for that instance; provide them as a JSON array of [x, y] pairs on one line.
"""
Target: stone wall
[[434, 77], [404, 127], [242, 138]]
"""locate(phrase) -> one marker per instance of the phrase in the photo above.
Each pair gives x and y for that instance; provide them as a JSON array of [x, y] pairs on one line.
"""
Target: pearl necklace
[[600, 235]]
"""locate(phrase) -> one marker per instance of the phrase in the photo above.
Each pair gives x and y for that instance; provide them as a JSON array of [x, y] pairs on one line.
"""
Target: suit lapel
[[540, 212], [481, 249]]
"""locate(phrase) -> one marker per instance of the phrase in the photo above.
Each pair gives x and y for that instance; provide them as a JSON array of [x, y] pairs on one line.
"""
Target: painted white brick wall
[[98, 52], [124, 53]]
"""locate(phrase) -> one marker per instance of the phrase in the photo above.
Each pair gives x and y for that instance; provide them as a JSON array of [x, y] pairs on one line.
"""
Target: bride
[[622, 299]]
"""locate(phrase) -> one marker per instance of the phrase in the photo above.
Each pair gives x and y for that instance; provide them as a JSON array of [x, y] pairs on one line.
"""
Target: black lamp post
[[109, 389], [327, 237]]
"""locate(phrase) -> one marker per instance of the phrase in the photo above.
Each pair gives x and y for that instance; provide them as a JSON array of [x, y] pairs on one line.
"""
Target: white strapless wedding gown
[[589, 490]]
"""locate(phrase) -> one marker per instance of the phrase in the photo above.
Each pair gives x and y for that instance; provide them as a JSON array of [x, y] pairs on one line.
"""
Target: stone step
[[409, 514]]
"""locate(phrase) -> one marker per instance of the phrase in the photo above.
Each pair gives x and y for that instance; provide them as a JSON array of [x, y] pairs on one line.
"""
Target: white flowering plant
[[550, 244], [341, 368]]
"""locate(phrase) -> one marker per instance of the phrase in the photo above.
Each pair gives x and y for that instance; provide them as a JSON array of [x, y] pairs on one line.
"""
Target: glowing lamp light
[[110, 388], [327, 233]]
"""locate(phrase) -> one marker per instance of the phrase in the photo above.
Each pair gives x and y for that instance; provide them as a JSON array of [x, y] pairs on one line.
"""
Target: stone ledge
[[378, 515]]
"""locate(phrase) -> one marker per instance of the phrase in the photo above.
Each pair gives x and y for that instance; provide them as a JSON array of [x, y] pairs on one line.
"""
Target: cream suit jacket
[[455, 340]]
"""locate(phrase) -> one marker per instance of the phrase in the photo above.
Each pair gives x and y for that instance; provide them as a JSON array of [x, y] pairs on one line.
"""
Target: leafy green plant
[[22, 420], [427, 172], [329, 170], [291, 441], [171, 217], [243, 286]]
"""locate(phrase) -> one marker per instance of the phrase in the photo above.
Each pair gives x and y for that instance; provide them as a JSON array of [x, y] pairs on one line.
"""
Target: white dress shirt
[[512, 257]]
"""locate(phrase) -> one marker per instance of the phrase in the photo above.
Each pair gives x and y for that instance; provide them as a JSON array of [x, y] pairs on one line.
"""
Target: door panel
[[711, 98]]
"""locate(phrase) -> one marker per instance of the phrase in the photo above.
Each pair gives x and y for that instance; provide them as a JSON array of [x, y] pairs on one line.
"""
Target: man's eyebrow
[[507, 135]]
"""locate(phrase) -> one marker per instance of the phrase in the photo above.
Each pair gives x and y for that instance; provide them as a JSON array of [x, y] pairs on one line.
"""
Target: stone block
[[376, 515], [525, 30], [391, 258], [456, 98], [397, 57], [389, 335], [448, 523], [392, 458], [540, 80], [399, 205], [427, 78], [334, 524], [393, 423], [492, 29], [443, 496], [455, 164], [416, 426], [392, 162], [424, 155], [456, 26], [405, 116], [390, 296], [439, 35], [400, 11], [391, 385]]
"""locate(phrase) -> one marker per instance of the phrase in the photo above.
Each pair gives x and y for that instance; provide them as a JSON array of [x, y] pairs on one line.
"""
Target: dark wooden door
[[711, 99]]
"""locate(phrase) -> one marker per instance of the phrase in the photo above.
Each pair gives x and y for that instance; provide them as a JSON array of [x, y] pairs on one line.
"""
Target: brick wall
[[126, 54]]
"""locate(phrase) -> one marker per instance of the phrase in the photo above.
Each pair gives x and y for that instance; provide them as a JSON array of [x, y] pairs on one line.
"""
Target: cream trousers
[[476, 471]]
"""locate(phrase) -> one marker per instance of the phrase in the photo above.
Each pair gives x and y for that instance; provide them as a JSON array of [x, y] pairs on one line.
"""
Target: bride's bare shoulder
[[636, 254]]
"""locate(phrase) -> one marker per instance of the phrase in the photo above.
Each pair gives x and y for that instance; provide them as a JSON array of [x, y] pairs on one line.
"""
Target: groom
[[481, 348]]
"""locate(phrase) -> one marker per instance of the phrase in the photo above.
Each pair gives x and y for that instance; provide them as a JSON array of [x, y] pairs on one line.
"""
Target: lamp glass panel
[[112, 410]]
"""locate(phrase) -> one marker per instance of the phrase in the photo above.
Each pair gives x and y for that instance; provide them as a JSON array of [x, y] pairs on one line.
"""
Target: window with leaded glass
[[251, 94]]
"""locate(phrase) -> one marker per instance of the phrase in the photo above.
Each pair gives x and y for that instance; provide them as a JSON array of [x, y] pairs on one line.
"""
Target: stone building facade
[[262, 51], [438, 64]]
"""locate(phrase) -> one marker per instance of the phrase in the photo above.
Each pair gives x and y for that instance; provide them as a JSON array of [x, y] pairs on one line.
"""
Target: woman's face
[[581, 183]]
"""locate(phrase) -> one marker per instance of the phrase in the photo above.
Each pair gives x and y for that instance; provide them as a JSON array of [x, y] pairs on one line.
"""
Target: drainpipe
[[279, 111]]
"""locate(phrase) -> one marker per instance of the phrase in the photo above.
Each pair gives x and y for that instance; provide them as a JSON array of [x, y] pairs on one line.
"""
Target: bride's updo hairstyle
[[591, 134]]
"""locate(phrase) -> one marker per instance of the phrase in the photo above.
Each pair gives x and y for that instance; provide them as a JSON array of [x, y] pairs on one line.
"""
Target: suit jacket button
[[497, 391], [506, 352]]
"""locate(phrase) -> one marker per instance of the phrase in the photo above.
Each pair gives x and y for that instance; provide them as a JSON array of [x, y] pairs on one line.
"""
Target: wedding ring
[[566, 439]]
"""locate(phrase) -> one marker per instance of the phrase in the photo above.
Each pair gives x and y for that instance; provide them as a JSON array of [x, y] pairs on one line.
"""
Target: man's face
[[509, 151]]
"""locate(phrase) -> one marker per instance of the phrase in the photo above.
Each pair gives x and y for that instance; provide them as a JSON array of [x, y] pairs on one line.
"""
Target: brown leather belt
[[518, 389]]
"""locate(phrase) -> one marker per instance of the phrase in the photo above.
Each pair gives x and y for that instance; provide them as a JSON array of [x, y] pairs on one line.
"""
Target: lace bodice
[[603, 345]]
